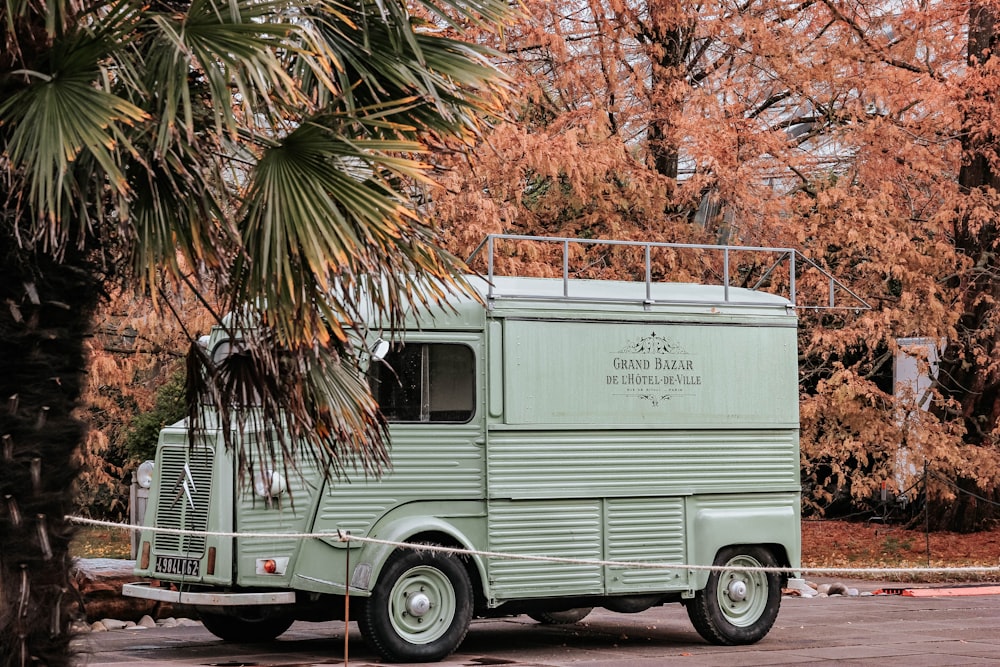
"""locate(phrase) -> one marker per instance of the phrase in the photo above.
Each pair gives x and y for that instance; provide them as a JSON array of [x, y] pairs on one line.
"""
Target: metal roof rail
[[796, 262]]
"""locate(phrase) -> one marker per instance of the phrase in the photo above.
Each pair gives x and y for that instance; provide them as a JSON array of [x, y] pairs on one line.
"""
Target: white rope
[[344, 536]]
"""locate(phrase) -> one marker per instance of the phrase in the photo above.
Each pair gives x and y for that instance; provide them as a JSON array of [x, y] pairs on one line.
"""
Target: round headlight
[[144, 475], [221, 351], [269, 485]]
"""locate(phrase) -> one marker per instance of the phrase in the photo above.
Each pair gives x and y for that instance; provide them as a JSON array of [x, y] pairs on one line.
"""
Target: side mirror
[[379, 349]]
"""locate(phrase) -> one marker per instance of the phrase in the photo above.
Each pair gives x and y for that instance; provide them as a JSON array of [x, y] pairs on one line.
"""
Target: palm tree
[[259, 151]]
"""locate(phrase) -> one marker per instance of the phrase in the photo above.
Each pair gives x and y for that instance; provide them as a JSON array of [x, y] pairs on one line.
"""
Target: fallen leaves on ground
[[876, 545]]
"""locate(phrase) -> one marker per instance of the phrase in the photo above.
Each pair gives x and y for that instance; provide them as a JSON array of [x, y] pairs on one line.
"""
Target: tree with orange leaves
[[861, 133]]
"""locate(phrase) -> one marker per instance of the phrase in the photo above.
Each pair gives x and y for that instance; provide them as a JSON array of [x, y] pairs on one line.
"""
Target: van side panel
[[722, 520], [570, 529], [611, 434], [644, 530], [527, 464], [632, 530], [736, 373], [428, 462]]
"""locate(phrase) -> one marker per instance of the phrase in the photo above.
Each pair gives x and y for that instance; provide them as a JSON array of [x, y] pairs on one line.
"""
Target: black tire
[[246, 627], [737, 607], [363, 628], [420, 608], [567, 617]]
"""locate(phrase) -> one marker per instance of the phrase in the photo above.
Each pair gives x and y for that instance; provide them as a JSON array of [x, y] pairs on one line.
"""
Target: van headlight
[[144, 475], [222, 350], [269, 484]]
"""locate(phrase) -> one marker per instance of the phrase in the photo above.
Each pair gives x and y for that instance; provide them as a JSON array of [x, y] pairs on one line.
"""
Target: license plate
[[188, 567]]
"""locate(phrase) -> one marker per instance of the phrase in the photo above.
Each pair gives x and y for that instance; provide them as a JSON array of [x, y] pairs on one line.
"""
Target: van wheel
[[566, 617], [247, 627], [420, 609], [737, 607], [362, 626]]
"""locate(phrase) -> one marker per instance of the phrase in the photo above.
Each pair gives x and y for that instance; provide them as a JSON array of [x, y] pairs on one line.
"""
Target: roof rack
[[795, 262]]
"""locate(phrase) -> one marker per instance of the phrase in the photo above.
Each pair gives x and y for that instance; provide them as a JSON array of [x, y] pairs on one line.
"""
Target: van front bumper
[[145, 589]]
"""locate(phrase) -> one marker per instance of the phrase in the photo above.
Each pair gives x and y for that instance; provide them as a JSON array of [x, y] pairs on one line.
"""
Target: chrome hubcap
[[737, 590], [418, 604]]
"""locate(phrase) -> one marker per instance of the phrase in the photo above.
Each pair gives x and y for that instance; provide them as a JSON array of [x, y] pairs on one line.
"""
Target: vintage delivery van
[[563, 444]]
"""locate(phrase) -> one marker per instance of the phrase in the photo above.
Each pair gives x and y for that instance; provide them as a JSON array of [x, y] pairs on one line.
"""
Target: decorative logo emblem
[[653, 344], [184, 486], [654, 368]]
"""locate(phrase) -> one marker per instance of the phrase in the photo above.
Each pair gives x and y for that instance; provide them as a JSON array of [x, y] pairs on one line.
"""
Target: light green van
[[571, 444]]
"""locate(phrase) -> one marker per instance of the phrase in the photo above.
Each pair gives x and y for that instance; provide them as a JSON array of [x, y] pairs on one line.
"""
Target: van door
[[430, 389]]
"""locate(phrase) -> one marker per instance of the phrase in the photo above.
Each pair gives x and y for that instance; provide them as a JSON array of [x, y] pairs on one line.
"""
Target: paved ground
[[868, 630]]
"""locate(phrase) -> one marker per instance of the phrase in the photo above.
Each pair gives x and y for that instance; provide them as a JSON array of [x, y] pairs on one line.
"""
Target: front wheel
[[246, 627], [737, 607], [420, 609]]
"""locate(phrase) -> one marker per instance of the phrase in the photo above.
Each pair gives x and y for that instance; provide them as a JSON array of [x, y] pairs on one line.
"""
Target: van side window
[[426, 382]]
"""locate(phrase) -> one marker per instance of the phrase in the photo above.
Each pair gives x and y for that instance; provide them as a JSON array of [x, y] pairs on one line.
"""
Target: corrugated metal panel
[[286, 514], [529, 464], [646, 530], [428, 463], [571, 530], [759, 501], [185, 494]]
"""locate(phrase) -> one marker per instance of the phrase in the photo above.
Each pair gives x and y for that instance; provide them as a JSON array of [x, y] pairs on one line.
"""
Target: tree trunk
[[45, 309], [668, 31], [962, 377]]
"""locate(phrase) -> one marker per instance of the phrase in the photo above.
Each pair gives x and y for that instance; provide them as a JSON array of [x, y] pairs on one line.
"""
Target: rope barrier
[[343, 536], [944, 480]]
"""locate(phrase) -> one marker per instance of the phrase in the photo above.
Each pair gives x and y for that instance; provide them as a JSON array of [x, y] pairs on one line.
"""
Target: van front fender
[[437, 531]]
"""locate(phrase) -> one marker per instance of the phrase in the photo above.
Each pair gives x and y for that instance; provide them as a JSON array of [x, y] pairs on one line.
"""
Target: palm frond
[[319, 212], [55, 119], [315, 404], [382, 58], [266, 148], [175, 214]]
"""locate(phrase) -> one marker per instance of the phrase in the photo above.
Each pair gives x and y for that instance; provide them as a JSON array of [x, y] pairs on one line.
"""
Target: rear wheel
[[566, 617], [246, 627], [737, 607], [420, 609]]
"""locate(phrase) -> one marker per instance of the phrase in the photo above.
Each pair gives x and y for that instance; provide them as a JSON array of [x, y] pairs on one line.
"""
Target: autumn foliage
[[135, 349], [861, 133]]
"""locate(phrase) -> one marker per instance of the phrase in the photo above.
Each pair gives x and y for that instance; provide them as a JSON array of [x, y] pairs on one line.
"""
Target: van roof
[[513, 296], [610, 291]]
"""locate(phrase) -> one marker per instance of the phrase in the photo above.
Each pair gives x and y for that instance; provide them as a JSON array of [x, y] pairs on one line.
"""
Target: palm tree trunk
[[45, 309]]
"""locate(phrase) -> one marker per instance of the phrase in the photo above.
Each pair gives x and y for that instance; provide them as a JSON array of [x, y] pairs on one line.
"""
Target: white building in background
[[914, 372], [915, 369]]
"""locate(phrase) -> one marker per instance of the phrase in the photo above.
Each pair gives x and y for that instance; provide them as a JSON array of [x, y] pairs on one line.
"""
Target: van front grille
[[184, 498]]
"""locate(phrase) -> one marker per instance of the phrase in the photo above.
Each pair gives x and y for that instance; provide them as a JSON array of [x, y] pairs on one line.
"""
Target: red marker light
[[270, 566]]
